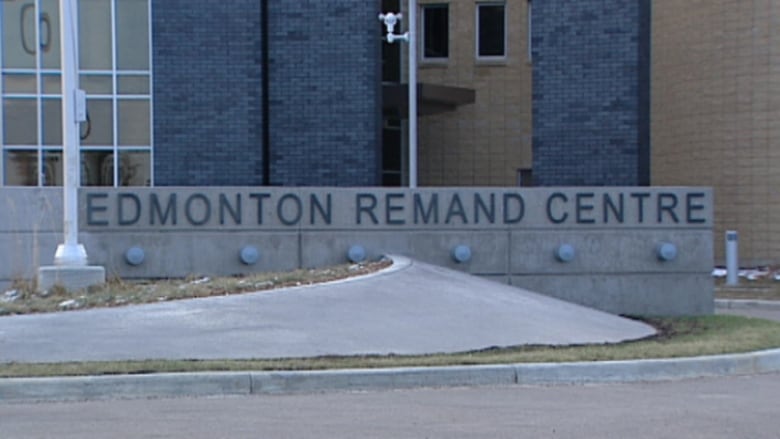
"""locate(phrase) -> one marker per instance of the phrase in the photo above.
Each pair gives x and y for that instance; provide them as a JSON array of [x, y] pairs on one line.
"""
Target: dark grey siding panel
[[324, 92], [207, 101], [590, 100], [324, 95]]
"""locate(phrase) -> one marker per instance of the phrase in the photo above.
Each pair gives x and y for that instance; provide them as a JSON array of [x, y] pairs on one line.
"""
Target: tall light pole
[[70, 268], [390, 20], [70, 252]]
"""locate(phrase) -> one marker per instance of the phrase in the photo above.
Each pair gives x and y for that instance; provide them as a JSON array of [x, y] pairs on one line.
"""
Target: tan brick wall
[[484, 143], [716, 113]]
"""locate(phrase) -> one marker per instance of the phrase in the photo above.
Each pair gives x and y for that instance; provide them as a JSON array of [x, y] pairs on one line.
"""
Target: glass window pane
[[391, 61], [18, 28], [95, 34], [52, 122], [391, 179], [50, 34], [19, 83], [20, 120], [391, 149], [21, 168], [491, 30], [133, 122], [133, 84], [99, 130], [52, 168], [97, 84], [97, 168], [52, 84], [135, 168], [132, 34], [436, 31]]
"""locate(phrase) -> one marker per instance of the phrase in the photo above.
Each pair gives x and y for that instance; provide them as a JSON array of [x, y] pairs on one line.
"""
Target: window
[[115, 72], [491, 30], [436, 32]]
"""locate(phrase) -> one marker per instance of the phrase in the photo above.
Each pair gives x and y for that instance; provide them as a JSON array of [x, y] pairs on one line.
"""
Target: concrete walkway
[[410, 308]]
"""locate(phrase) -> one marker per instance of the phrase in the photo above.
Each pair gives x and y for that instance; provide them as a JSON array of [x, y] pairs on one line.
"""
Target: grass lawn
[[22, 297]]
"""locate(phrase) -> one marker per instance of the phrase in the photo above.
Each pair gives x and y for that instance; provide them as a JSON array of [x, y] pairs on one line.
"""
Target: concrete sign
[[624, 250]]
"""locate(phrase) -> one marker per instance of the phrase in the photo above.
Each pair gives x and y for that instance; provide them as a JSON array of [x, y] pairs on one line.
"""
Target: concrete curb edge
[[21, 390]]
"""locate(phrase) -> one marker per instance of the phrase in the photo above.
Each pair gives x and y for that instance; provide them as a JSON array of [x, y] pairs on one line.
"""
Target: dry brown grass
[[119, 293], [763, 288]]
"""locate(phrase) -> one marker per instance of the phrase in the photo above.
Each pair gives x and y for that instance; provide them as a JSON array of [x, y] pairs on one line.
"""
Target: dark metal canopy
[[431, 98]]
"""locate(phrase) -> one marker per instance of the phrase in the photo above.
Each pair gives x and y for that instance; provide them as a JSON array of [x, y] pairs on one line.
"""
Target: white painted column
[[70, 252], [412, 93]]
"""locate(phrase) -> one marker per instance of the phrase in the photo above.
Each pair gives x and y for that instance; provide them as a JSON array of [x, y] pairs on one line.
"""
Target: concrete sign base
[[72, 278]]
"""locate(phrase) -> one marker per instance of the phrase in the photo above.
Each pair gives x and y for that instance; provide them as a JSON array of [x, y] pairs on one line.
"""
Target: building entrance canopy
[[432, 98]]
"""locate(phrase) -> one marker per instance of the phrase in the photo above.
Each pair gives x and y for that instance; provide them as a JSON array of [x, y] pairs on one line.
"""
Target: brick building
[[487, 141], [271, 92], [562, 99], [716, 107]]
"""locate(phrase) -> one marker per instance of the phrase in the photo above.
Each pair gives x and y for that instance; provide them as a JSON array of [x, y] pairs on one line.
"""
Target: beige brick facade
[[716, 113], [487, 142]]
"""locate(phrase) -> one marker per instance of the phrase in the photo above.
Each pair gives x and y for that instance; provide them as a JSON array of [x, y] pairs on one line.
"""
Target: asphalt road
[[735, 407]]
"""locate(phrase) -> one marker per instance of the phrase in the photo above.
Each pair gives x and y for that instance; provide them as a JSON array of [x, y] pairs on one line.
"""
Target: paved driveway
[[413, 308]]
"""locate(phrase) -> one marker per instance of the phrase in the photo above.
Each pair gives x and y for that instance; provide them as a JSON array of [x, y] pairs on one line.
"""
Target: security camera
[[390, 20]]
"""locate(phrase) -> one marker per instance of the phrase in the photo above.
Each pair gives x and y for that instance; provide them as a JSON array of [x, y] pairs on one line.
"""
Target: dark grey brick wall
[[324, 92], [207, 106], [325, 78], [590, 98]]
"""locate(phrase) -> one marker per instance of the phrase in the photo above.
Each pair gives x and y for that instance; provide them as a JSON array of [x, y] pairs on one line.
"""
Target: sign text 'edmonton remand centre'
[[174, 208]]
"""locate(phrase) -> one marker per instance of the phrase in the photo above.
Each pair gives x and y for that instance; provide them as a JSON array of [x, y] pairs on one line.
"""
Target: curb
[[747, 304], [25, 390]]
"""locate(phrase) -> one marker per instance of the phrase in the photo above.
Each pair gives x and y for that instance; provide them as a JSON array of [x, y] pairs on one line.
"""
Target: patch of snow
[[70, 304], [753, 274], [11, 296], [719, 272]]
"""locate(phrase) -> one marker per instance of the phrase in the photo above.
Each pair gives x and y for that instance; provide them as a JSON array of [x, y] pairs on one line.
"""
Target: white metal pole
[[70, 253], [732, 258], [412, 23]]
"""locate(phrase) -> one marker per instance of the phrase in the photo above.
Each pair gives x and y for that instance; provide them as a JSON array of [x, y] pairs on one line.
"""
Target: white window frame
[[499, 58], [530, 25]]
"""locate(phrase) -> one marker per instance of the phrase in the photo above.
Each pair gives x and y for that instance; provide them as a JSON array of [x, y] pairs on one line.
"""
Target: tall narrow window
[[115, 72], [491, 30], [436, 31]]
